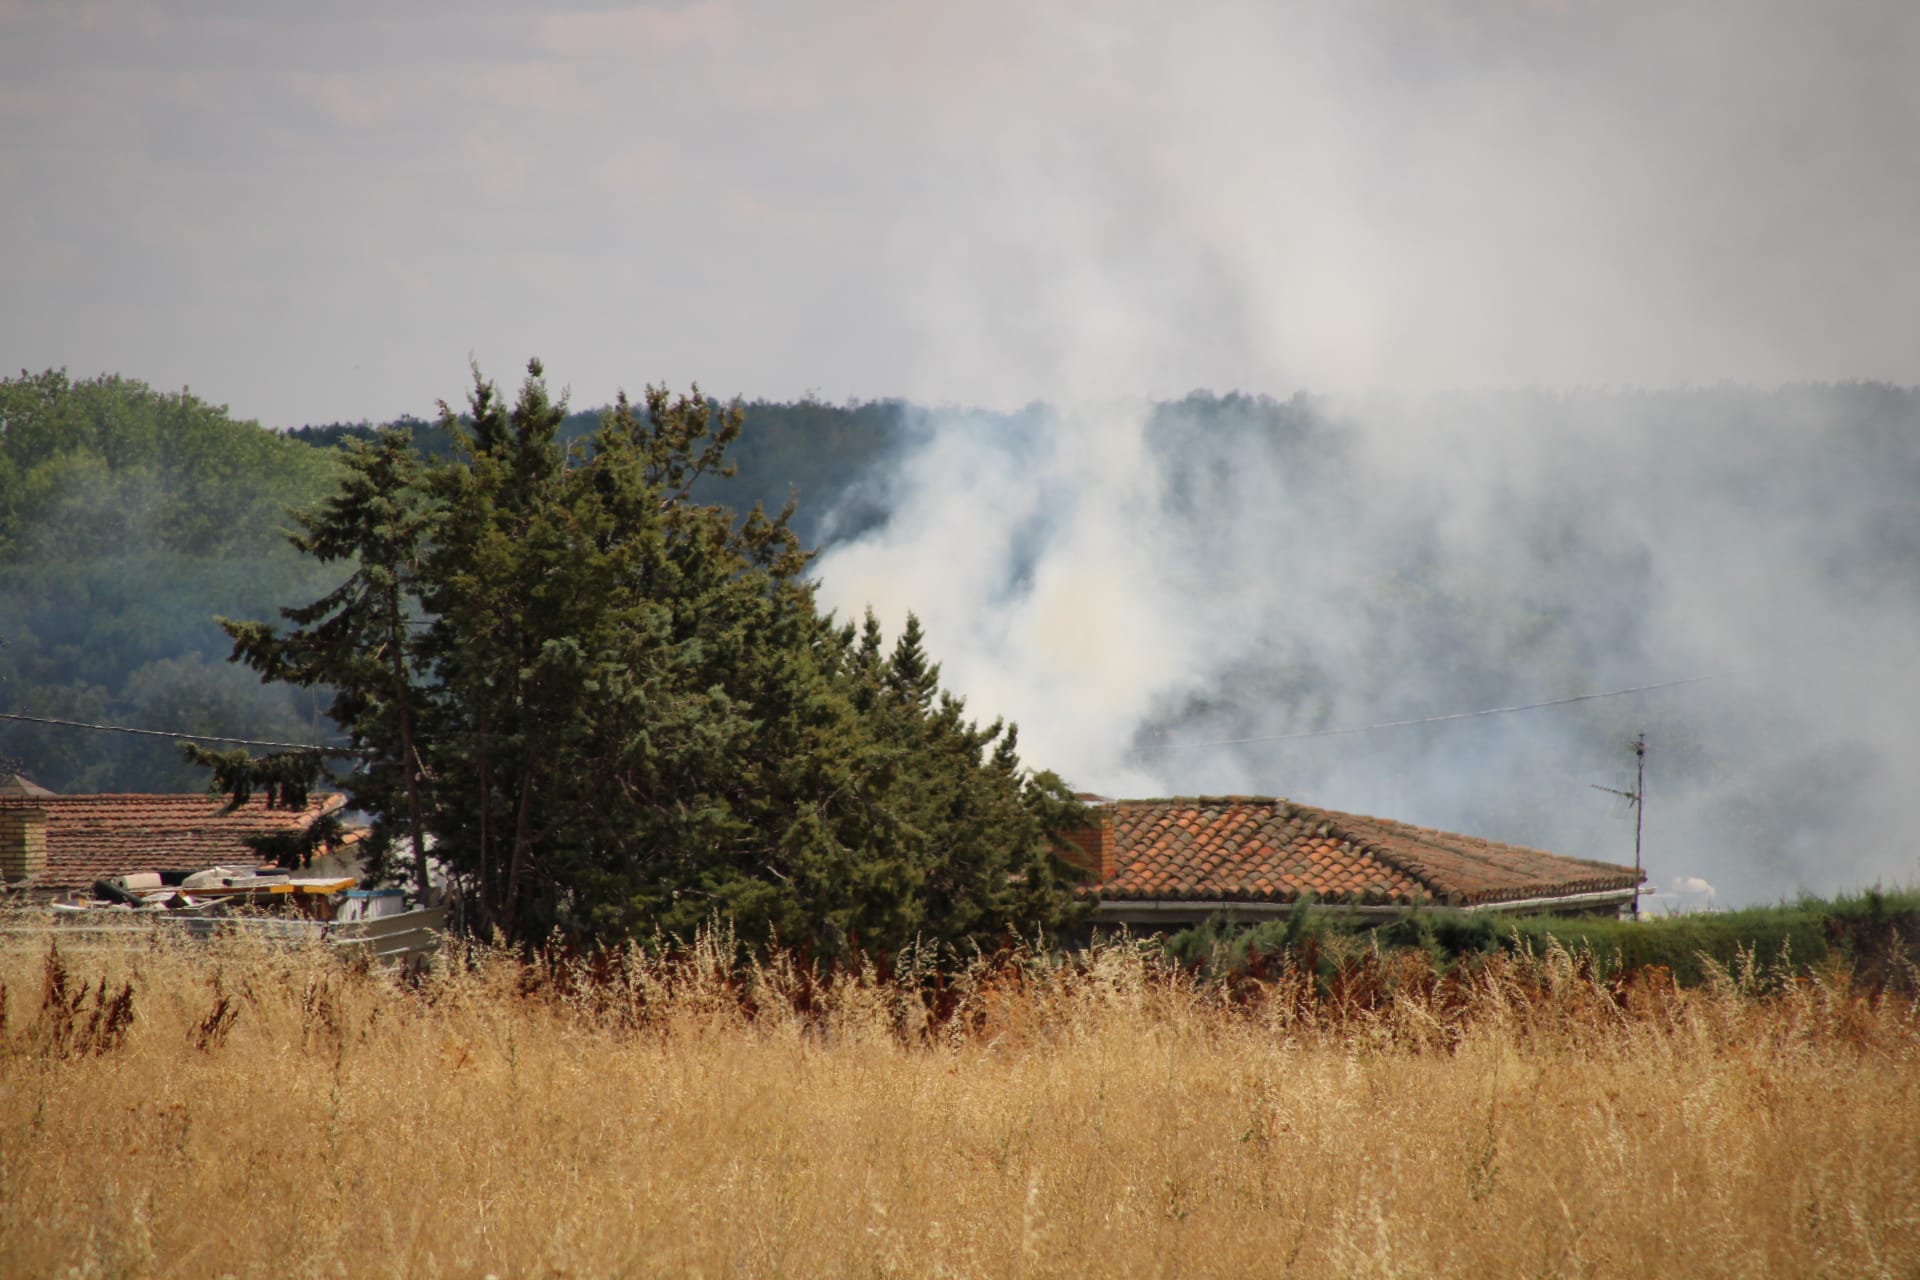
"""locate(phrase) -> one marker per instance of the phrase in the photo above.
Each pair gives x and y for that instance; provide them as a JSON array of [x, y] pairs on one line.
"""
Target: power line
[[1161, 746], [168, 733], [1402, 724]]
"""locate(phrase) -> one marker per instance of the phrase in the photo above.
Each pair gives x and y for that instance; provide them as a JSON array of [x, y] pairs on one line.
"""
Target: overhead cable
[[1158, 746], [169, 733], [1402, 724]]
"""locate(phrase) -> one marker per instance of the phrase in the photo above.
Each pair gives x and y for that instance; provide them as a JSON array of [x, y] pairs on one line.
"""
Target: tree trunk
[[522, 844], [485, 764]]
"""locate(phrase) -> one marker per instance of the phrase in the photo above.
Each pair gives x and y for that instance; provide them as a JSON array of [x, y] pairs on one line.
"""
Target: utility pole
[[1638, 799]]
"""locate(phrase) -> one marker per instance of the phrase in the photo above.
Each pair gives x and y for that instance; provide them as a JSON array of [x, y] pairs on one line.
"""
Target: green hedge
[[1794, 934], [1876, 932]]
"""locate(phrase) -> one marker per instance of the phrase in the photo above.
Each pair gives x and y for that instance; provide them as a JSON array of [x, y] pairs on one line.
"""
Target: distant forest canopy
[[130, 517], [815, 453]]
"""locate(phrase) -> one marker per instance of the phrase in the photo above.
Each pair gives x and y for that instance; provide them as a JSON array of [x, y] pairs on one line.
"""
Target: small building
[[1181, 861], [54, 844]]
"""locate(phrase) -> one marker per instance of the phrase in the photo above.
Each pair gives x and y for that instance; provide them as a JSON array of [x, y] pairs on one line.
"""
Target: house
[[1181, 861], [53, 844]]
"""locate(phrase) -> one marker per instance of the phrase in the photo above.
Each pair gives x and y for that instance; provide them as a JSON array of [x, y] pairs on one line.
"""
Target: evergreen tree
[[619, 709], [354, 640]]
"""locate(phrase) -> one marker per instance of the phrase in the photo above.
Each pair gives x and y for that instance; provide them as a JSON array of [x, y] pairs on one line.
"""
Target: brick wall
[[23, 843], [1090, 849]]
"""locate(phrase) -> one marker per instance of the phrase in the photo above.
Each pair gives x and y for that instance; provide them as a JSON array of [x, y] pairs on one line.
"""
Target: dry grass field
[[182, 1110]]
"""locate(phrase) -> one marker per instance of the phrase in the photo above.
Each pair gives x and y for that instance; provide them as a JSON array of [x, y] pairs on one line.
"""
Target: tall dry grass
[[254, 1111]]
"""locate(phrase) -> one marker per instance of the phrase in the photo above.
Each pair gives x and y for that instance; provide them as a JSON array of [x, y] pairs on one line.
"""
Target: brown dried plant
[[690, 1110]]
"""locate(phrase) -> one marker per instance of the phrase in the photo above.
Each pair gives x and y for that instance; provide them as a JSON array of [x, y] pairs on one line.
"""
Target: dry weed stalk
[[673, 1110]]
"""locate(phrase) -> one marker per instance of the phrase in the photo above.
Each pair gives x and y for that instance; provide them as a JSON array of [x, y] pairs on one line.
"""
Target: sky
[[317, 213]]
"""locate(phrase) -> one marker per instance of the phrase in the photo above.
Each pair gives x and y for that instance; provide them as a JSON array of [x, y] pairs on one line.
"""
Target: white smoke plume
[[1143, 588], [1379, 202]]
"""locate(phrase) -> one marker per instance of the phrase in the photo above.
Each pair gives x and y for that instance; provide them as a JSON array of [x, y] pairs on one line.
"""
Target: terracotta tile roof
[[90, 837], [1254, 849]]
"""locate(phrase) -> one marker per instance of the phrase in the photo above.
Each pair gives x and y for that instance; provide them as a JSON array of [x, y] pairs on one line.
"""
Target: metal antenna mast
[[1638, 799]]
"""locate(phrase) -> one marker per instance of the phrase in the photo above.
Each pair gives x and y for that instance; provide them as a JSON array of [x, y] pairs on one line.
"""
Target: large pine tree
[[610, 708]]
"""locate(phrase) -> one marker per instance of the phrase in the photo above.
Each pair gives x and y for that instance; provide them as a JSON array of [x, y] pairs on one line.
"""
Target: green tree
[[354, 639], [619, 708]]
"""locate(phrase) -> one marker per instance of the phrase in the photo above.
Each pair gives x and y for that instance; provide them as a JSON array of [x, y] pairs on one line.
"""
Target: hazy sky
[[313, 212]]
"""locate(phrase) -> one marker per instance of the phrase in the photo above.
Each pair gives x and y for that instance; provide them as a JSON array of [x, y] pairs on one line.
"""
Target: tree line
[[130, 517]]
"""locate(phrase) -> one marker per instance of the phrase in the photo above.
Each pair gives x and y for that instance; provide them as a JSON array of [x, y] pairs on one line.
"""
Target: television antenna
[[1638, 799]]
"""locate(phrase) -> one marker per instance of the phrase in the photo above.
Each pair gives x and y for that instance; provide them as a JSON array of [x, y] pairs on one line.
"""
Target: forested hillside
[[129, 517], [1144, 586], [825, 457]]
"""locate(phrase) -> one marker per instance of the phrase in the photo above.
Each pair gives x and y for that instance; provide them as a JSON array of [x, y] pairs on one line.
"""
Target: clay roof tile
[[1273, 850], [93, 837]]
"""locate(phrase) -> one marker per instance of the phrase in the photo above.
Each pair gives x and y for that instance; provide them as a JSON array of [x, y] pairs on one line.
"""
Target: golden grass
[[281, 1113]]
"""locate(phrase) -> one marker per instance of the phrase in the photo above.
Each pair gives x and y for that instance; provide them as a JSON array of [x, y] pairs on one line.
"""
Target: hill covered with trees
[[1245, 568], [131, 517]]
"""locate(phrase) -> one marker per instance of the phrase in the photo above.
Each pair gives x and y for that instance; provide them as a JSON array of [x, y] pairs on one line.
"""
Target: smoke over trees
[[1138, 583], [1148, 585], [129, 517]]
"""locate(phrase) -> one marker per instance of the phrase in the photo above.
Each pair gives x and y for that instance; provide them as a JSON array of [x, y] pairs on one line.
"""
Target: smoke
[[1144, 587], [1384, 203], [1390, 206], [1132, 199], [982, 203], [142, 518], [1466, 194]]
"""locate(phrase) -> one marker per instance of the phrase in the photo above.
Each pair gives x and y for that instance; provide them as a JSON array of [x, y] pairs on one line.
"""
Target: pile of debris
[[218, 890], [266, 901]]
